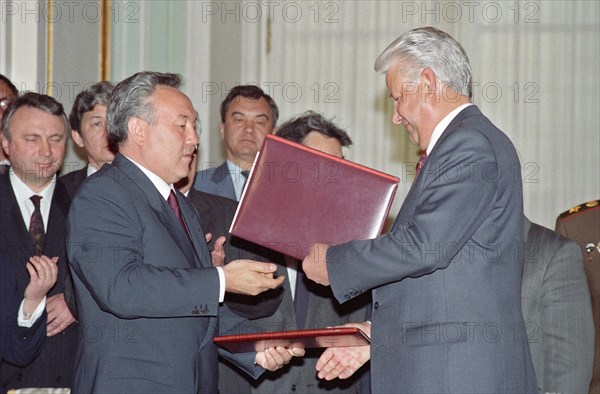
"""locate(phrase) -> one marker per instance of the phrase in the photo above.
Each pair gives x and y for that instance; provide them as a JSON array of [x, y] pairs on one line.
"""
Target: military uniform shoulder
[[579, 209]]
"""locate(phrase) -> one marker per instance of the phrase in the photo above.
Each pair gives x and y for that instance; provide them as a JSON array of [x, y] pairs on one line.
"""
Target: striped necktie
[[36, 225]]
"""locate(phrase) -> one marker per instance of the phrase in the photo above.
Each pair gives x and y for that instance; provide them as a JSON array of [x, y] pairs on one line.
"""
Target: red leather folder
[[314, 338], [296, 196]]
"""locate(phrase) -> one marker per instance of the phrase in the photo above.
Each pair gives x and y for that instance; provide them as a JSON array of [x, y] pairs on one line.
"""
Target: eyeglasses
[[4, 103]]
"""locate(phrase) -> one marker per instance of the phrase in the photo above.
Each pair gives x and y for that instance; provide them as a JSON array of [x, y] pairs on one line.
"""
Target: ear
[[5, 144], [77, 138], [429, 78], [136, 128], [222, 130], [275, 130]]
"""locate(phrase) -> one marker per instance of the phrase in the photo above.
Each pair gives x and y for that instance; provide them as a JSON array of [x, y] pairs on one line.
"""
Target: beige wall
[[535, 62]]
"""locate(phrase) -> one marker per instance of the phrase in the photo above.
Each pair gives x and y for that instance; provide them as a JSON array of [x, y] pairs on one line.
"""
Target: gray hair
[[428, 47], [34, 100], [133, 97]]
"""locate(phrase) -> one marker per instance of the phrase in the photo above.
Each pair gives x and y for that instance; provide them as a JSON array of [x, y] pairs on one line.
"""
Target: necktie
[[421, 162], [36, 225], [174, 204], [245, 174], [301, 297]]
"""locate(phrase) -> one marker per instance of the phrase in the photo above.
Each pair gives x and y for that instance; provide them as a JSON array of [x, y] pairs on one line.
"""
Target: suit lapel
[[57, 220], [410, 201], [223, 182], [14, 237], [192, 221], [143, 189]]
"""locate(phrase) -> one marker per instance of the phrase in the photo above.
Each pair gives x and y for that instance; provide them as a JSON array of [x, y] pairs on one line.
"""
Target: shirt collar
[[439, 129], [163, 187], [24, 192], [233, 168], [91, 169]]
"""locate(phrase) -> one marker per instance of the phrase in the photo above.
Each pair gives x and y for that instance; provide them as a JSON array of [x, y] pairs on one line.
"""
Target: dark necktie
[[174, 204], [301, 297], [36, 225], [4, 168], [421, 162], [245, 174]]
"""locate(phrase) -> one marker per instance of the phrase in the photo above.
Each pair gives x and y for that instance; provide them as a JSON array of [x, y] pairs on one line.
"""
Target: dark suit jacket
[[54, 366], [557, 311], [148, 298], [216, 214], [73, 180], [216, 181], [446, 279], [582, 224], [18, 345]]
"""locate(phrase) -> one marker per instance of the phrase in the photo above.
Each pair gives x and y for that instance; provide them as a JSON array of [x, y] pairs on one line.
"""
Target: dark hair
[[86, 101], [297, 128], [10, 85], [250, 92], [132, 97], [34, 100]]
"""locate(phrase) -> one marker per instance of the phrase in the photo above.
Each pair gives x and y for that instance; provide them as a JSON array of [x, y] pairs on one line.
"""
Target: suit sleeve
[[452, 200], [108, 242], [567, 327], [233, 324]]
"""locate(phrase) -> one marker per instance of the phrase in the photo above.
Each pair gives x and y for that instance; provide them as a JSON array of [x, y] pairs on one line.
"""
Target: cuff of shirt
[[34, 316], [221, 284]]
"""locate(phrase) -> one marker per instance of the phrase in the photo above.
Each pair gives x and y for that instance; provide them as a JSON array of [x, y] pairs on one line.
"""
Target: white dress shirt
[[22, 195]]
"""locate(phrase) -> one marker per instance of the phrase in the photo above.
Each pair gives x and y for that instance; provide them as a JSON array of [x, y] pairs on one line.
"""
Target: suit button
[[293, 388], [376, 304]]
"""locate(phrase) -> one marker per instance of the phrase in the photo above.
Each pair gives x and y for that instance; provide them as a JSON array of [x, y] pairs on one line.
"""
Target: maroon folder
[[297, 196], [314, 338]]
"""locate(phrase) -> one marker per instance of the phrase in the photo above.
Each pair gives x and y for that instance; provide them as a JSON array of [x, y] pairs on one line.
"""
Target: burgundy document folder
[[296, 196], [314, 338]]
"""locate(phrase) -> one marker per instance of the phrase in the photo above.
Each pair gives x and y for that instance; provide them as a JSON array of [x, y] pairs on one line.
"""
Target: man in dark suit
[[446, 279], [140, 263], [33, 212], [88, 129], [8, 92], [318, 307], [557, 311], [23, 315], [247, 115], [582, 224], [307, 304]]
